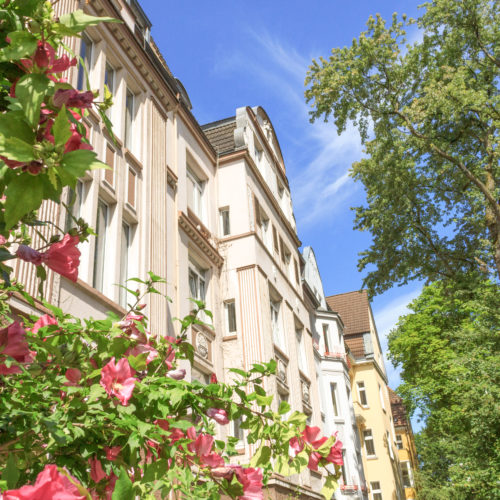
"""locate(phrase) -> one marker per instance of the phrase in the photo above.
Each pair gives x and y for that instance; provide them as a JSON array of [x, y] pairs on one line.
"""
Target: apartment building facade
[[371, 399], [208, 208], [405, 443], [333, 371]]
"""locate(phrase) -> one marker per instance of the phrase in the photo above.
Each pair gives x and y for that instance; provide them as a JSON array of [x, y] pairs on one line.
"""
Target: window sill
[[371, 457], [226, 338], [132, 159], [339, 420]]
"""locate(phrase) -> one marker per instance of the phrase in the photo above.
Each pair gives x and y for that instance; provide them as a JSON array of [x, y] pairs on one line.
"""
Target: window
[[109, 174], [129, 118], [296, 269], [131, 186], [369, 445], [367, 344], [102, 224], [301, 351], [407, 474], [333, 392], [389, 444], [238, 432], [125, 243], [276, 324], [200, 376], [225, 228], [281, 189], [197, 282], [382, 403], [196, 188], [376, 491], [74, 205], [275, 239], [362, 394], [262, 222], [109, 81], [399, 441], [257, 151], [344, 468], [230, 308], [86, 57], [325, 336]]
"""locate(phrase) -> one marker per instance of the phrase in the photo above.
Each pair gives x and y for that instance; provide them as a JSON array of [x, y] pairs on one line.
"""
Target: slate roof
[[354, 309], [221, 134]]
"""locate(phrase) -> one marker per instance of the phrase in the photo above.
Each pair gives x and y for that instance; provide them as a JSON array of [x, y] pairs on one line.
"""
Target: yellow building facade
[[371, 399], [405, 444]]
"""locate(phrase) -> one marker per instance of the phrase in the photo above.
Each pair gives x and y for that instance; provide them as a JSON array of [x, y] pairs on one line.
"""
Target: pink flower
[[112, 452], [73, 375], [73, 98], [314, 459], [49, 485], [3, 240], [335, 455], [251, 480], [63, 257], [311, 436], [117, 379], [141, 349], [45, 58], [96, 471], [201, 446], [75, 142], [129, 327], [29, 254], [178, 374], [213, 378], [219, 415], [42, 321], [13, 343]]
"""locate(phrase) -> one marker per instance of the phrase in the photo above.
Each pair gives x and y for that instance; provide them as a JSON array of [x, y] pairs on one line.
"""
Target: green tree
[[448, 348], [428, 114]]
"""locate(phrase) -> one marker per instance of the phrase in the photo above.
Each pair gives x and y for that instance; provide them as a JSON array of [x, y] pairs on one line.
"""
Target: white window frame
[[399, 442], [109, 70], [335, 399], [99, 275], [369, 437], [196, 199], [382, 402], [326, 336], [302, 358], [200, 276], [128, 128], [81, 80], [225, 219], [276, 324], [227, 305], [389, 444], [376, 490], [362, 389], [125, 261]]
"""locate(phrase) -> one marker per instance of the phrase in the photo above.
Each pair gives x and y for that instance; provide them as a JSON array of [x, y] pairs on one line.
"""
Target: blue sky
[[232, 53]]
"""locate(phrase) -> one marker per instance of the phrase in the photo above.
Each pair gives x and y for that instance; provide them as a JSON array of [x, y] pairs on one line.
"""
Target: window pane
[[125, 246], [333, 390], [129, 117], [131, 187], [231, 316], [74, 205], [325, 335], [224, 221], [110, 162], [86, 56], [100, 245], [362, 394], [193, 284]]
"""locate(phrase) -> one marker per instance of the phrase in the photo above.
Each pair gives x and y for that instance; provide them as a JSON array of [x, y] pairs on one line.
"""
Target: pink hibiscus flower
[[42, 321], [63, 257], [251, 480], [219, 415], [13, 344], [49, 484], [117, 379]]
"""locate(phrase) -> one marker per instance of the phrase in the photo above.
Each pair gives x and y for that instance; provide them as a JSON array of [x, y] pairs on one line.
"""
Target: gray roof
[[221, 134]]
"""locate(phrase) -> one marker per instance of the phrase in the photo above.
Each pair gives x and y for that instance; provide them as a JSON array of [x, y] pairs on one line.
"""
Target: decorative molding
[[200, 239], [172, 179]]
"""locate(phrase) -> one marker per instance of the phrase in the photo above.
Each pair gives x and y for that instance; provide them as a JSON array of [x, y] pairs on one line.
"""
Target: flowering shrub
[[101, 409]]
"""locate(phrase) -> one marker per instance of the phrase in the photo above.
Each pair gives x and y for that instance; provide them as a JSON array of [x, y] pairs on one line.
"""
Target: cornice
[[200, 239], [172, 178]]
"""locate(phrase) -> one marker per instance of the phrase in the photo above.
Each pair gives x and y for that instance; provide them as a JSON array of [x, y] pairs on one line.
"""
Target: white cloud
[[317, 158]]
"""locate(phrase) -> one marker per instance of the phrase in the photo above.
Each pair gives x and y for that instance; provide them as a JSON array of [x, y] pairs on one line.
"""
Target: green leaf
[[297, 419], [11, 473], [61, 127], [123, 487], [77, 21], [284, 408], [16, 149], [31, 90], [282, 466], [22, 44], [13, 125], [330, 486], [5, 255], [76, 163], [264, 400], [261, 456], [138, 362], [24, 194]]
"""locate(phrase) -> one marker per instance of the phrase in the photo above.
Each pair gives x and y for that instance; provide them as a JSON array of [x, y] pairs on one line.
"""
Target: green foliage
[[428, 114], [449, 349]]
